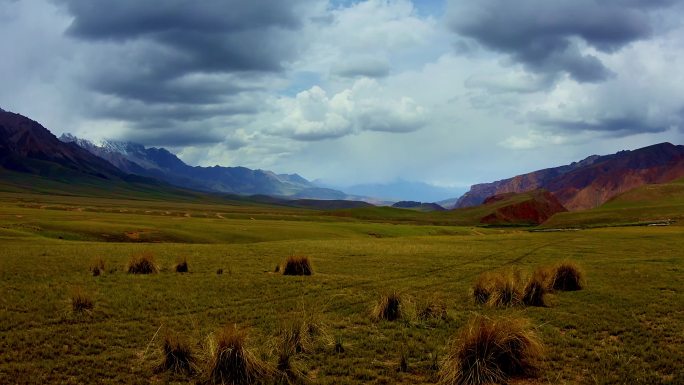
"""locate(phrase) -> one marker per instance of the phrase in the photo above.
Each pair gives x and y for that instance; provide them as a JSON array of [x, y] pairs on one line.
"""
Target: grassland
[[626, 327]]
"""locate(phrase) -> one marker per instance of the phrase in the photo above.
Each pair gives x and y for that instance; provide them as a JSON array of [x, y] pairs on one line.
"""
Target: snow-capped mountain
[[159, 163]]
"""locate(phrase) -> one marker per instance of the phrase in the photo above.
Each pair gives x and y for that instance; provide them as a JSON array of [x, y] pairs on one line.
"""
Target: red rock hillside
[[593, 181], [533, 207]]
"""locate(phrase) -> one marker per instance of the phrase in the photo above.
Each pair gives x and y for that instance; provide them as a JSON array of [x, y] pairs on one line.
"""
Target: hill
[[161, 164], [28, 147], [649, 204], [592, 181], [530, 208], [418, 206]]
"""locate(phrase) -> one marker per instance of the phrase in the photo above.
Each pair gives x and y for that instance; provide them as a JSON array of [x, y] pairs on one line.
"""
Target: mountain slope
[[593, 181], [26, 146], [161, 164], [652, 203], [528, 208]]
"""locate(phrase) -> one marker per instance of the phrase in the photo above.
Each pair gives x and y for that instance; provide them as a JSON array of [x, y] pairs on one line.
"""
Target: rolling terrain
[[49, 242], [592, 181], [652, 204]]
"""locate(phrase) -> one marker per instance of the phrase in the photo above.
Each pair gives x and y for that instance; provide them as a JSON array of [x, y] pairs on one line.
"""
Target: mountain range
[[592, 181], [29, 151], [159, 163]]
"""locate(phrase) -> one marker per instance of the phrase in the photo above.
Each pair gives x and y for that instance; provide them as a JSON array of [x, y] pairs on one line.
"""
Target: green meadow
[[625, 327]]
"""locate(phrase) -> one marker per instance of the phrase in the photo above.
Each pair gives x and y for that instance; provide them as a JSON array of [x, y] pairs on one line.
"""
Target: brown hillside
[[534, 207], [593, 181]]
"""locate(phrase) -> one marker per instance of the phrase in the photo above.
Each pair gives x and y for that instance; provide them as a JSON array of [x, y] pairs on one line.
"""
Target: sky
[[449, 93]]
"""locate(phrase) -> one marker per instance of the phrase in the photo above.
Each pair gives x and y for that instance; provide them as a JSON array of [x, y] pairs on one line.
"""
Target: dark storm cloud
[[542, 34], [618, 126], [163, 64]]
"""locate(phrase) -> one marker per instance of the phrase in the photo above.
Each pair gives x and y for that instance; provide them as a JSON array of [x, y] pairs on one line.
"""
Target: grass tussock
[[506, 289], [389, 307], [232, 363], [491, 351], [142, 263], [181, 266], [97, 267], [297, 265], [291, 342], [536, 288], [483, 287], [81, 301], [568, 276], [177, 356]]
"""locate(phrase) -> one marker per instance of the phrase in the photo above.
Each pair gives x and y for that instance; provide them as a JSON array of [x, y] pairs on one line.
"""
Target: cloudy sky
[[445, 92]]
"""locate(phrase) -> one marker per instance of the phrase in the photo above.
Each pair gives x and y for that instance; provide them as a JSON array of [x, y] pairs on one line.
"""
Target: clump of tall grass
[[536, 288], [498, 289], [483, 287], [97, 267], [507, 290], [567, 276], [142, 263], [296, 265], [389, 307], [232, 363], [177, 356], [181, 266], [491, 351], [81, 301]]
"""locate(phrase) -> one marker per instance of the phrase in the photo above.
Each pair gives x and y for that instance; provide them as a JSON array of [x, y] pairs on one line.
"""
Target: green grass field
[[626, 327]]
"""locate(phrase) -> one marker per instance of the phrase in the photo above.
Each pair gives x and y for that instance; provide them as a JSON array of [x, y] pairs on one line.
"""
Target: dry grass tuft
[[142, 263], [181, 266], [389, 307], [490, 351], [506, 289], [177, 356], [232, 363], [567, 276], [536, 288], [97, 267], [81, 301], [296, 265], [290, 344], [483, 287]]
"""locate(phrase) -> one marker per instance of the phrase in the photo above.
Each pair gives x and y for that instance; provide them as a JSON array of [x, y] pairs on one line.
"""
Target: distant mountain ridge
[[160, 163], [592, 181]]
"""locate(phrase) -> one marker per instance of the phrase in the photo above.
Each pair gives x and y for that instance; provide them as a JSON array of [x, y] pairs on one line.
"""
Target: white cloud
[[366, 106]]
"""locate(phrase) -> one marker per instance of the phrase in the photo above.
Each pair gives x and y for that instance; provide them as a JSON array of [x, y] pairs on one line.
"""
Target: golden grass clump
[[567, 276], [232, 363], [81, 301], [483, 287], [177, 356], [536, 288], [389, 307], [97, 267], [297, 265], [506, 289], [490, 351], [142, 263], [181, 266]]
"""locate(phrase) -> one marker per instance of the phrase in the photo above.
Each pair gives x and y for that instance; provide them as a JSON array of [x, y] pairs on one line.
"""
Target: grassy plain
[[626, 327]]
